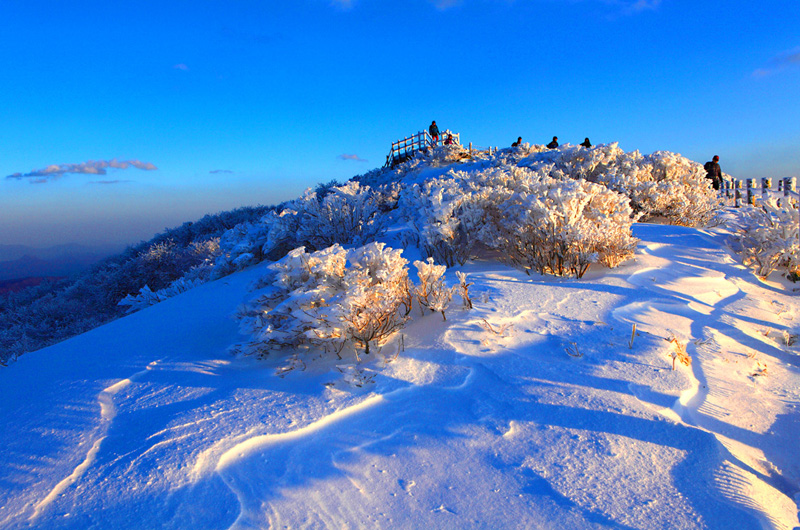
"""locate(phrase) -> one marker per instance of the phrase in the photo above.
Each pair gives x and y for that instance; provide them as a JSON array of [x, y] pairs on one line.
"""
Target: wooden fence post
[[751, 196], [737, 193], [766, 185], [789, 185]]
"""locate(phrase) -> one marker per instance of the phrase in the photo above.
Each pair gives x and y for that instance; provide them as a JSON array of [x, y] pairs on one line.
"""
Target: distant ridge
[[18, 261], [13, 286]]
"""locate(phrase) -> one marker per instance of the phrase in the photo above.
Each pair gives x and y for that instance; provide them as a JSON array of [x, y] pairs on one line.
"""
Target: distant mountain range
[[20, 261], [12, 286]]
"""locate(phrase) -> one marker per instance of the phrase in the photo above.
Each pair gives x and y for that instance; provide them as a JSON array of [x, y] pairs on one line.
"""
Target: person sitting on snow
[[586, 143], [517, 143], [449, 140], [554, 143]]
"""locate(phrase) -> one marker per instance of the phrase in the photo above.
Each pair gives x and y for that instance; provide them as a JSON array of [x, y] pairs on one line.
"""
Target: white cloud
[[92, 167], [181, 66]]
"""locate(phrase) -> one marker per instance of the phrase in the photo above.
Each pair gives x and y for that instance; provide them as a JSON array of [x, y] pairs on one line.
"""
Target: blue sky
[[240, 103]]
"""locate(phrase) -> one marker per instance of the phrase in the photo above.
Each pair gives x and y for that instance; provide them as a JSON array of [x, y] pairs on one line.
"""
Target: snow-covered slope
[[532, 410]]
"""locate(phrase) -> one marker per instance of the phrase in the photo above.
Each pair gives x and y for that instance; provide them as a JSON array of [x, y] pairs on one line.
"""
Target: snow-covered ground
[[535, 409]]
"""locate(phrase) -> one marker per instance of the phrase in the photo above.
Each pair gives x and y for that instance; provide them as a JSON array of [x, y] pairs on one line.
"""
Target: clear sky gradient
[[242, 103]]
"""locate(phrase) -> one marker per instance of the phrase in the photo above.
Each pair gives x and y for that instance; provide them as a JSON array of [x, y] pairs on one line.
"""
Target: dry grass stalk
[[501, 330], [572, 350], [761, 370], [680, 353]]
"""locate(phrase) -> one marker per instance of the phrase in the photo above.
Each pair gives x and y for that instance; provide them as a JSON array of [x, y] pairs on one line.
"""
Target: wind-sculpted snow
[[537, 408]]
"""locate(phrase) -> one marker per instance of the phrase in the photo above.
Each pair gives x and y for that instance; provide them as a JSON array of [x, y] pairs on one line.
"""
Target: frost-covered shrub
[[431, 292], [147, 297], [346, 214], [433, 210], [557, 226], [249, 243], [768, 237], [328, 298], [562, 227], [662, 184]]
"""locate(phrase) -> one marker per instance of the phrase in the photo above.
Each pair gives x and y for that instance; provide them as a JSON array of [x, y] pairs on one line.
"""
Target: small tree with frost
[[432, 293], [327, 299]]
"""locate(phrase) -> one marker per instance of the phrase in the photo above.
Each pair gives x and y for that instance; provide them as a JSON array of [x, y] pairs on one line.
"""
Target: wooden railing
[[749, 190], [406, 148]]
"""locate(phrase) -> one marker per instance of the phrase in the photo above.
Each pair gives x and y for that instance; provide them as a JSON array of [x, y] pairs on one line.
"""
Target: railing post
[[766, 185], [751, 196], [737, 191], [727, 184], [789, 185]]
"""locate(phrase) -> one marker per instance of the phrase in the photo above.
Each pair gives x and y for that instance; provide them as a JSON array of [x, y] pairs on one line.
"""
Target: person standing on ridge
[[714, 172], [586, 143], [434, 132], [554, 143]]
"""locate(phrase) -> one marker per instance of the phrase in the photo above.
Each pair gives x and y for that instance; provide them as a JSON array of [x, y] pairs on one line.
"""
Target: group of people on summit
[[433, 130], [553, 144]]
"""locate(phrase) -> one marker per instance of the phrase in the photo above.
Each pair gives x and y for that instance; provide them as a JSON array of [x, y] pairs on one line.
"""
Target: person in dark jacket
[[586, 143], [714, 172], [554, 143], [434, 132], [517, 143]]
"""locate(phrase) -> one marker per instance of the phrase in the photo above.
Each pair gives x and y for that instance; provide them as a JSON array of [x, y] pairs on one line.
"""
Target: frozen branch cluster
[[662, 184], [327, 299], [148, 297], [767, 237], [432, 293], [347, 214], [550, 225]]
